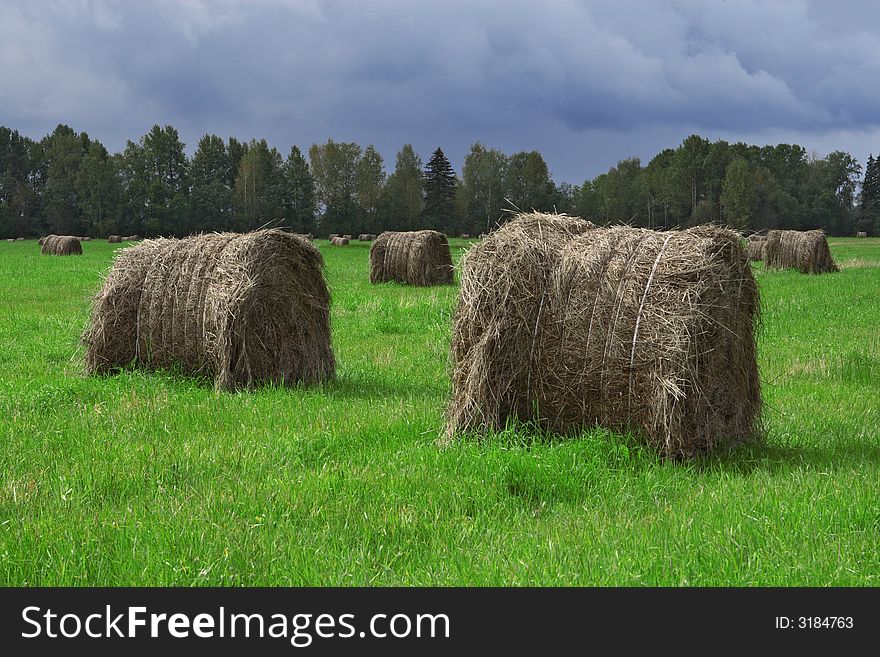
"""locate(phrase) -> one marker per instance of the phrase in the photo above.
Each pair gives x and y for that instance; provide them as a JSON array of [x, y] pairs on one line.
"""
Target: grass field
[[149, 479]]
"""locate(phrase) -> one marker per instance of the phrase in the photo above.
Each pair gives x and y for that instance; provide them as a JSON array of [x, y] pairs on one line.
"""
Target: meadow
[[152, 479]]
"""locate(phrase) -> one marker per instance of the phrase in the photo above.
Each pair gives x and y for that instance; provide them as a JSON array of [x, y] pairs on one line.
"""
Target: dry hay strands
[[420, 257], [243, 309], [366, 237], [755, 248], [114, 239], [629, 329], [339, 241], [61, 245], [805, 251]]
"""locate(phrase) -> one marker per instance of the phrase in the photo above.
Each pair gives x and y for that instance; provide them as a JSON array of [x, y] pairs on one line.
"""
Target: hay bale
[[132, 238], [755, 248], [347, 237], [41, 240], [10, 239], [114, 239], [243, 309], [805, 251], [366, 237], [624, 328], [339, 241], [61, 245], [465, 236], [86, 239], [420, 257], [861, 233], [19, 239]]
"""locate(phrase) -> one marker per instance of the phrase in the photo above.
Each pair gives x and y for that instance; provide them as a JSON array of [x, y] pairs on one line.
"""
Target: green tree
[[405, 200], [527, 183], [165, 168], [64, 150], [17, 196], [334, 168], [258, 187], [369, 185], [298, 193], [483, 176], [439, 211], [211, 206], [738, 194], [99, 191]]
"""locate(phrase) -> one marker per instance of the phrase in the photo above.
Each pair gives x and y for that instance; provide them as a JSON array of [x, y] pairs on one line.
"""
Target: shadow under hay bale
[[114, 239], [61, 245], [420, 257], [805, 251], [755, 248], [243, 309], [624, 328], [339, 241]]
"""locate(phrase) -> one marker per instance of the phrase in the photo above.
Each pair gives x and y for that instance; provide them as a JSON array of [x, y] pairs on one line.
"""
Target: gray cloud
[[587, 83]]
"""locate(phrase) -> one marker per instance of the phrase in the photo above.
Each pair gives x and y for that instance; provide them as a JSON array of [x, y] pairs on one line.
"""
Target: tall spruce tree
[[439, 210]]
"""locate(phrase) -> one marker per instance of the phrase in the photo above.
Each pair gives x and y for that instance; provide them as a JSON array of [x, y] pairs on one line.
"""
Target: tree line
[[68, 183]]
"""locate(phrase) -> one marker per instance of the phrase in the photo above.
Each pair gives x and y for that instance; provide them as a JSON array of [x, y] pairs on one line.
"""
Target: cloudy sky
[[585, 82]]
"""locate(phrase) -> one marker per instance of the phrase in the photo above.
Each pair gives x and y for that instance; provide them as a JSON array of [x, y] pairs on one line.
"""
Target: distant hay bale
[[86, 239], [861, 233], [132, 238], [332, 235], [347, 237], [339, 241], [19, 239], [465, 236], [755, 248], [243, 309], [366, 237], [420, 257], [624, 328], [61, 245], [805, 251], [10, 239], [114, 239]]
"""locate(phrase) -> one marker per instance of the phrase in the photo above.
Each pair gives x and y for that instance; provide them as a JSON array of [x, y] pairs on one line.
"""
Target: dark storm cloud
[[586, 83]]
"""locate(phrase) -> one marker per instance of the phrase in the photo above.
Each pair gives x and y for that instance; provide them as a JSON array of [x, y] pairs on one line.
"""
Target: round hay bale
[[10, 239], [348, 237], [41, 240], [755, 248], [805, 251], [61, 245], [504, 283], [420, 257], [132, 238], [243, 309], [629, 329], [366, 237], [861, 233], [332, 235], [114, 239], [19, 239], [339, 241], [465, 236]]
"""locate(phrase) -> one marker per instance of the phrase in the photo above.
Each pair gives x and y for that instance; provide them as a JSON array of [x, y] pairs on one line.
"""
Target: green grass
[[150, 479]]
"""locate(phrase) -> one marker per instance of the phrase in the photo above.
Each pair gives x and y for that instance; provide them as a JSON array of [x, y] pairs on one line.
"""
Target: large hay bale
[[805, 251], [755, 248], [624, 328], [420, 257], [499, 319], [41, 240], [61, 245], [114, 239], [339, 241], [243, 309]]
